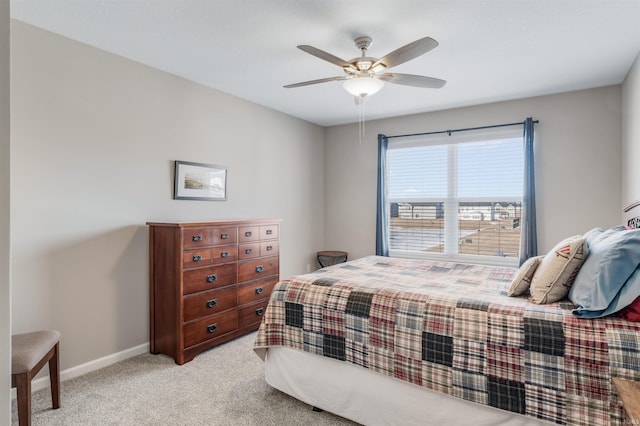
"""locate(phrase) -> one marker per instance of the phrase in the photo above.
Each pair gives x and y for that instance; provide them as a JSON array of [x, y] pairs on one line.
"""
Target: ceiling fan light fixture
[[364, 65], [350, 69], [378, 68], [363, 86]]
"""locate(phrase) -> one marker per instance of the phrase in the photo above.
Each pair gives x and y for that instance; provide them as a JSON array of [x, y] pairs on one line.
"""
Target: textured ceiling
[[489, 50]]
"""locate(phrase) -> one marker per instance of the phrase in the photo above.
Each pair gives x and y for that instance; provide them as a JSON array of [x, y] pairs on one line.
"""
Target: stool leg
[[54, 377], [23, 389]]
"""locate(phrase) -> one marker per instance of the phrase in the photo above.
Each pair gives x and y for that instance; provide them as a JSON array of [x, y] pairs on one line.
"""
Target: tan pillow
[[522, 280], [558, 269]]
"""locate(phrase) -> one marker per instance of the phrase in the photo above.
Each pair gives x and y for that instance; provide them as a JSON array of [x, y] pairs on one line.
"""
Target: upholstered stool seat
[[29, 353]]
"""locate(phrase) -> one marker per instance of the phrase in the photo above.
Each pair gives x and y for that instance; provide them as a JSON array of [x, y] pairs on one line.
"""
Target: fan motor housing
[[363, 42]]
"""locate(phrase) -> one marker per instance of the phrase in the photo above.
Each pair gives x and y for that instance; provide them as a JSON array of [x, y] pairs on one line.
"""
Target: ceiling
[[490, 50]]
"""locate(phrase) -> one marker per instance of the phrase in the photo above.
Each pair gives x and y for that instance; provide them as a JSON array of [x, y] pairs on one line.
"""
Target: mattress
[[374, 399]]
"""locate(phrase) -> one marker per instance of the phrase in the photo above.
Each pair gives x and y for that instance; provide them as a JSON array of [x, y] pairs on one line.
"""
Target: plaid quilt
[[451, 328]]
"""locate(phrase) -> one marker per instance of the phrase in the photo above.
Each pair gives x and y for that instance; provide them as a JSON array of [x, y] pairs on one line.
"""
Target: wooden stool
[[29, 353]]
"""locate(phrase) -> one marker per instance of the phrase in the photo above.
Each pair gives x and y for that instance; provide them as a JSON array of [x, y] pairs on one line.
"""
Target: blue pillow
[[598, 234], [592, 235], [608, 280]]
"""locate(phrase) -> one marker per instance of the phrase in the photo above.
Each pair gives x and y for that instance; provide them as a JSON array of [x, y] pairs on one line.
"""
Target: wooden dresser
[[209, 282]]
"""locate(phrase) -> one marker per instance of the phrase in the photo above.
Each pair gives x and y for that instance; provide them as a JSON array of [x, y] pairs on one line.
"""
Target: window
[[456, 196]]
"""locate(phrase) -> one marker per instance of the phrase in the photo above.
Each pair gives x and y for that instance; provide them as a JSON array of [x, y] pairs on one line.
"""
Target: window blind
[[456, 196]]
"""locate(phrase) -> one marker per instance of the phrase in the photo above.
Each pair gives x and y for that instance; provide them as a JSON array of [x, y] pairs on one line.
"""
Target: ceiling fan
[[366, 75]]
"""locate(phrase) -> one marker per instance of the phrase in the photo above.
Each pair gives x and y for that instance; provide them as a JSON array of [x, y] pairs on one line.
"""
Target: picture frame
[[198, 181]]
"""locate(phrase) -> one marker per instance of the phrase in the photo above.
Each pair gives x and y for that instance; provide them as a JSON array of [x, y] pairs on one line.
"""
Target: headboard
[[632, 215]]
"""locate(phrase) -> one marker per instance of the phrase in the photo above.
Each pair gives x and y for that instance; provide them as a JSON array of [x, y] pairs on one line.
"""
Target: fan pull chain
[[361, 120]]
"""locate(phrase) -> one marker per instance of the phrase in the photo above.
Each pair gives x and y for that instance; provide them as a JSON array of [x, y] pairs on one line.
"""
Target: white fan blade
[[322, 80], [413, 80], [324, 55], [408, 52]]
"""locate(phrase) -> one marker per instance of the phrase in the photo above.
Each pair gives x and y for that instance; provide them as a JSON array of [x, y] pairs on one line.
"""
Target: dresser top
[[229, 222]]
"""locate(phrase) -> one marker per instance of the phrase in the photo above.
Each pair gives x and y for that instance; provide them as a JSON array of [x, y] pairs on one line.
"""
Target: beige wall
[[631, 135], [5, 276], [577, 145], [94, 137]]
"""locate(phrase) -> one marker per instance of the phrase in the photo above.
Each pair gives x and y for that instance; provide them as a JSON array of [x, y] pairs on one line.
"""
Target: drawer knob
[[224, 236], [259, 312], [224, 254], [269, 248], [269, 232], [259, 268], [248, 251], [211, 303], [247, 234], [259, 290], [212, 328], [197, 258], [212, 278], [197, 238]]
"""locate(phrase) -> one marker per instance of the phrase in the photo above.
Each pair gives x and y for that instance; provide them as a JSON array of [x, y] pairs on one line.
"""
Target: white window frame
[[451, 201]]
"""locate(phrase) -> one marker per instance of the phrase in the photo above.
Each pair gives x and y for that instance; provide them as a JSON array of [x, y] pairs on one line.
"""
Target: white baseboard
[[88, 367]]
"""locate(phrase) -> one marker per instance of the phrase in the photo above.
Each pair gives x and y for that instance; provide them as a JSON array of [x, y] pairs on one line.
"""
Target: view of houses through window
[[484, 228], [456, 198]]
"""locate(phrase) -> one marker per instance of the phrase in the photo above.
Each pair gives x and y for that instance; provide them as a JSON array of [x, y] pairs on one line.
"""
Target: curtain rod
[[460, 130]]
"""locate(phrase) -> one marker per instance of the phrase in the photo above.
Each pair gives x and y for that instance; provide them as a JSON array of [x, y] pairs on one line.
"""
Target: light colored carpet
[[222, 386]]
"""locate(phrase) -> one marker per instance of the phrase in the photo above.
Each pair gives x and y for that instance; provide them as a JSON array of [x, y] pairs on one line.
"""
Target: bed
[[382, 340]]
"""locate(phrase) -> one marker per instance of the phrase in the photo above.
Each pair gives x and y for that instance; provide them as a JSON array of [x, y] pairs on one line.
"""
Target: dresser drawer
[[255, 290], [209, 302], [258, 268], [248, 234], [209, 278], [196, 237], [268, 232], [196, 258], [210, 327], [224, 254], [251, 314], [224, 235], [269, 248], [248, 251]]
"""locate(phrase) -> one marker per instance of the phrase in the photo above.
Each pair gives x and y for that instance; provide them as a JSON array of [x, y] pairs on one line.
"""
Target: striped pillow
[[553, 278]]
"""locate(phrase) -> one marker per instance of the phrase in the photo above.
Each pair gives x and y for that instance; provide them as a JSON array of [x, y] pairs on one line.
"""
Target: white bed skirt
[[374, 399]]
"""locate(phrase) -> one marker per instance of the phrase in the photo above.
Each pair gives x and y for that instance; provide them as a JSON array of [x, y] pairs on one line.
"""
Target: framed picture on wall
[[197, 181]]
